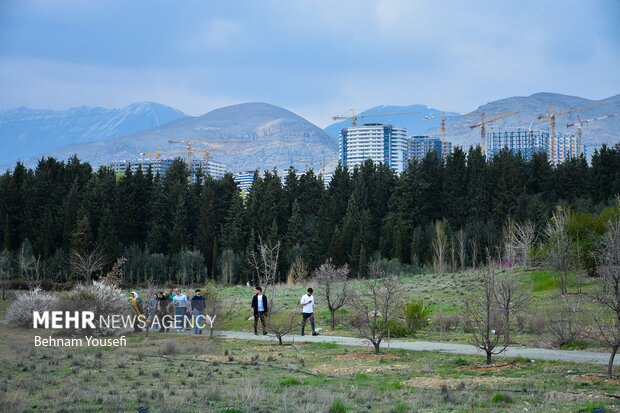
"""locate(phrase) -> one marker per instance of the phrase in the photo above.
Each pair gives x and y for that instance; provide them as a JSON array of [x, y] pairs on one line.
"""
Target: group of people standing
[[174, 306], [260, 309]]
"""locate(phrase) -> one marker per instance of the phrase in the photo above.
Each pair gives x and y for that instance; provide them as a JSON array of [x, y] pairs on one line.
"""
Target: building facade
[[377, 141], [529, 141], [214, 168], [419, 146]]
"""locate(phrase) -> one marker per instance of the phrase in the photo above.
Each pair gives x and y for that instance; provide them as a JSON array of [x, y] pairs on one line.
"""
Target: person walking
[[180, 305], [260, 309], [199, 305], [138, 309], [163, 314], [307, 305]]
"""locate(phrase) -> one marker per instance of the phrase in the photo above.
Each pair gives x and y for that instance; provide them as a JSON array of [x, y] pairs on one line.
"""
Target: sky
[[316, 58]]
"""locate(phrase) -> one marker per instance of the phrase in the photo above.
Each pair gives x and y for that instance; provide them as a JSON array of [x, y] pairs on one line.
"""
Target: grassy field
[[444, 294], [198, 374]]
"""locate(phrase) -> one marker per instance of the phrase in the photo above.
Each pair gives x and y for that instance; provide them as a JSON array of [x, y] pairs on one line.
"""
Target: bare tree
[[462, 242], [607, 319], [29, 267], [484, 318], [114, 277], [440, 248], [334, 283], [4, 277], [520, 239], [87, 264], [510, 298], [379, 300], [264, 260], [558, 253], [474, 253]]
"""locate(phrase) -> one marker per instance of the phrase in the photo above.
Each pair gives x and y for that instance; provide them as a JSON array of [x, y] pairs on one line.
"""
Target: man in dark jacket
[[260, 309]]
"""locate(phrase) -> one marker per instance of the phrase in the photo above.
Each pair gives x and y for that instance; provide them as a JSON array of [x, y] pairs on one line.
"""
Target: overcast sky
[[316, 58]]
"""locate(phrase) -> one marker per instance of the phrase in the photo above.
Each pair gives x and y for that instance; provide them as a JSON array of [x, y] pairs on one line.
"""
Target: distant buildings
[[529, 141], [214, 168], [419, 146], [244, 179], [380, 142]]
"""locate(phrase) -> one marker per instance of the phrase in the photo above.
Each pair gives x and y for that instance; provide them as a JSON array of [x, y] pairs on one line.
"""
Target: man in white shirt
[[179, 301], [307, 305]]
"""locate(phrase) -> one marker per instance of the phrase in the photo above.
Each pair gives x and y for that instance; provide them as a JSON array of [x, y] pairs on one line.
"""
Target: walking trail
[[450, 348]]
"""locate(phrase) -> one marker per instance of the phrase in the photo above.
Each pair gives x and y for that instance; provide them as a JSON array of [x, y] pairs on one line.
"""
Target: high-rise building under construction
[[529, 141]]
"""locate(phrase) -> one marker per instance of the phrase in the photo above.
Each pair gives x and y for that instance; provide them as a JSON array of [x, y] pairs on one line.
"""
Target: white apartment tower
[[377, 141]]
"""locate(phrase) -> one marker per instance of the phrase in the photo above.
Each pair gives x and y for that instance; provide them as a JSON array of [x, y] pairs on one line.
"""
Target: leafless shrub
[[281, 323], [484, 318], [168, 348], [445, 322], [87, 264], [607, 318], [537, 324], [379, 300], [334, 284], [563, 323], [474, 252], [20, 312]]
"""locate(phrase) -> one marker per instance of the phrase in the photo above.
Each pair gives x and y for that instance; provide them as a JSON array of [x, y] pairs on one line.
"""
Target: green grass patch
[[290, 382]]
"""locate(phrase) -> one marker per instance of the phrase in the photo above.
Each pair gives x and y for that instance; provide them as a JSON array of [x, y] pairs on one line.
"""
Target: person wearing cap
[[199, 305]]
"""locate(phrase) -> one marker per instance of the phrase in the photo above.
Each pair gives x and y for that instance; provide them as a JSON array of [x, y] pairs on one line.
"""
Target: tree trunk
[[507, 327], [333, 319], [610, 366], [377, 344], [489, 357], [280, 339]]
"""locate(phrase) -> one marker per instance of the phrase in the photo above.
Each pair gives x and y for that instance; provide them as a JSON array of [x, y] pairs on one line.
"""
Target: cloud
[[217, 34]]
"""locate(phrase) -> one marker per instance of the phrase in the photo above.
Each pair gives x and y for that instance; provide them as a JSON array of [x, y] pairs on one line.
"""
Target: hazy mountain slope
[[414, 123], [529, 107], [24, 132], [275, 137]]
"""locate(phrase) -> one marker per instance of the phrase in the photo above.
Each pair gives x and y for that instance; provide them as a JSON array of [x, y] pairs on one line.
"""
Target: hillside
[[25, 133], [273, 137], [414, 123], [529, 107]]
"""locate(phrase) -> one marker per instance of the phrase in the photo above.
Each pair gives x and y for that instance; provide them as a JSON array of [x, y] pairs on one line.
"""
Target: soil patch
[[463, 383], [490, 368], [592, 378], [356, 369], [364, 356]]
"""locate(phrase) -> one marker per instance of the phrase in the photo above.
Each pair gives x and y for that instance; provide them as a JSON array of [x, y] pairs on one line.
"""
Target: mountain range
[[25, 132], [266, 136]]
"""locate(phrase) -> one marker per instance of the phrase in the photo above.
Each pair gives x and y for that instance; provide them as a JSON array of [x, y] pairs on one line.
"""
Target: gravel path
[[450, 348]]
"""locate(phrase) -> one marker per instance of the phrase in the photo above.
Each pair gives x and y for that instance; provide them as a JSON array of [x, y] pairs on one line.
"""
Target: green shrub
[[416, 315], [338, 407], [501, 398], [459, 361], [400, 408], [289, 382], [396, 329]]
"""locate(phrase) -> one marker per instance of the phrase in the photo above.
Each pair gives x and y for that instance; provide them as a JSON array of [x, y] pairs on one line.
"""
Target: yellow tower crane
[[580, 123], [443, 118], [355, 117], [482, 124], [551, 116]]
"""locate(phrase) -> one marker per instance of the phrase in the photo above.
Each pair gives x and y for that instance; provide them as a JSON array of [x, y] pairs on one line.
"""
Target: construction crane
[[158, 154], [191, 150], [443, 118], [355, 117], [580, 122], [483, 123], [551, 116]]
